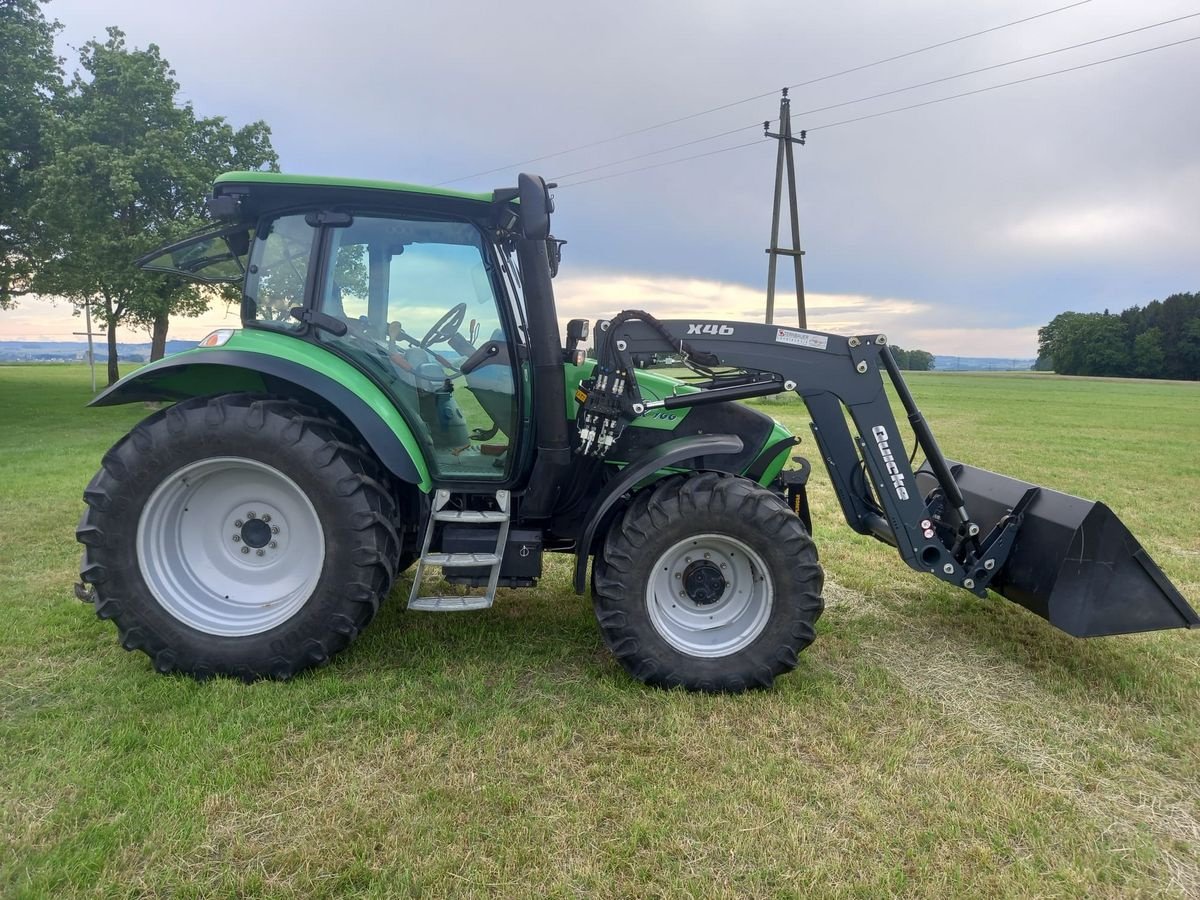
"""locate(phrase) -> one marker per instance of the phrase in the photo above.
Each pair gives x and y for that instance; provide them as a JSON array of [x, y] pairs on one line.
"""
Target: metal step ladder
[[486, 518]]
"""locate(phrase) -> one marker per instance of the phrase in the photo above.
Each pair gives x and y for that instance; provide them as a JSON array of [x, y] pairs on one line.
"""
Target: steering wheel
[[446, 327]]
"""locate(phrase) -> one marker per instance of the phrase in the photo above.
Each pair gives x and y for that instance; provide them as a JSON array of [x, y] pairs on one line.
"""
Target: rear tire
[[199, 585], [709, 583]]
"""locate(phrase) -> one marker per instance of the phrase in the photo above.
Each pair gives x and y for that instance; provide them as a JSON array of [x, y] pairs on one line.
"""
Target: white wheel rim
[[716, 627], [230, 546]]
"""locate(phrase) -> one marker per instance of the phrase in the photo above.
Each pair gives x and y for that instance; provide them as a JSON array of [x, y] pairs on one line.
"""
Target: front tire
[[707, 582], [238, 535]]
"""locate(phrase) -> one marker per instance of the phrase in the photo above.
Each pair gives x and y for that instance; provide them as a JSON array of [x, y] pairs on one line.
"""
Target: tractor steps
[[492, 561], [461, 559], [448, 604], [469, 516]]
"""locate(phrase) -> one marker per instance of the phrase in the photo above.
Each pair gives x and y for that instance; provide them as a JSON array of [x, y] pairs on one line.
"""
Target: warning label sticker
[[801, 338]]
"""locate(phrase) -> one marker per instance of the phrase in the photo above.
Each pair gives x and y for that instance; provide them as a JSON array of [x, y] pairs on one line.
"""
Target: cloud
[[905, 321], [1077, 191]]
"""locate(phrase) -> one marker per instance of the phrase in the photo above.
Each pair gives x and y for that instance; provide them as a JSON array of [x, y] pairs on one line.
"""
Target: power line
[[984, 90], [911, 87], [669, 162], [730, 105], [888, 112], [1011, 62]]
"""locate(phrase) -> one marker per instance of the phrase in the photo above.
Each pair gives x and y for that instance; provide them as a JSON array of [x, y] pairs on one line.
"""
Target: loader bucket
[[1073, 562]]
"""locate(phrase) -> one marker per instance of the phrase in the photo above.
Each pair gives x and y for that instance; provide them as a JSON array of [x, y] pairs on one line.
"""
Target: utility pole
[[784, 159], [87, 312]]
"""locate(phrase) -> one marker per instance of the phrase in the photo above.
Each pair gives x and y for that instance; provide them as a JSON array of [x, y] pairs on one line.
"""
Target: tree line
[[99, 167], [1158, 340]]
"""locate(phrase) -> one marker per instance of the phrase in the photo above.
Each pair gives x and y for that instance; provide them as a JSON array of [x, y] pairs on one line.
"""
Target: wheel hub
[[256, 533], [703, 582]]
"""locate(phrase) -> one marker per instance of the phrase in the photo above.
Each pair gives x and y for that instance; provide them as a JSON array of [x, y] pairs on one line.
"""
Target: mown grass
[[928, 744]]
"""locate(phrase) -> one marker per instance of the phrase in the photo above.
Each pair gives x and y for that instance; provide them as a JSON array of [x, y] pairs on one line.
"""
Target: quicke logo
[[889, 461]]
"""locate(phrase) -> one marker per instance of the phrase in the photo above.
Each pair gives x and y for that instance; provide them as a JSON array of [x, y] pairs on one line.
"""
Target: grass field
[[928, 744]]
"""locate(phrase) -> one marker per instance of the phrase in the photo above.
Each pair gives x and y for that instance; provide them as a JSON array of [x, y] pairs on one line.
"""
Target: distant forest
[[1158, 340]]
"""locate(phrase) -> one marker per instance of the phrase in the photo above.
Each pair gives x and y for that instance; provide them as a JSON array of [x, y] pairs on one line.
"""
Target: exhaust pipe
[[1073, 562]]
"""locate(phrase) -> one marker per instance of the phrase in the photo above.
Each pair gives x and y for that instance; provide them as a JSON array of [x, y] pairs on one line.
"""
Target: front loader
[[400, 394]]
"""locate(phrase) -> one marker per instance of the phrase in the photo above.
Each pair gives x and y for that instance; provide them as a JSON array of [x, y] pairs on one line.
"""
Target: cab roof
[[263, 191]]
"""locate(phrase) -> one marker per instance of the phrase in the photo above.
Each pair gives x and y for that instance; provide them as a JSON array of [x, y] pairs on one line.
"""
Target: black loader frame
[[1069, 560]]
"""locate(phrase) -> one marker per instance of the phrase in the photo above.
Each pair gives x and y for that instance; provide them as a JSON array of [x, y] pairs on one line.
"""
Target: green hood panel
[[655, 385]]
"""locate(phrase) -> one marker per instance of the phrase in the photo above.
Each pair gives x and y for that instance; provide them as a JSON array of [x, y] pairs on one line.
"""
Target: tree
[[30, 80], [1085, 344], [1148, 356], [912, 360], [129, 170]]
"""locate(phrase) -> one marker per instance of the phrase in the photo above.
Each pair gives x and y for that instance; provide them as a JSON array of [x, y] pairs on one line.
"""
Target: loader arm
[[1056, 572]]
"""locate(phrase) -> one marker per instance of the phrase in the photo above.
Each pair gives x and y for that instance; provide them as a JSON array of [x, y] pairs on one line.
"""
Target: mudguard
[[203, 371], [663, 456]]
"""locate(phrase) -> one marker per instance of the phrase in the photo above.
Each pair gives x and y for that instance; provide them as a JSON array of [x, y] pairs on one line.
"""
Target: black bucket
[[1073, 562]]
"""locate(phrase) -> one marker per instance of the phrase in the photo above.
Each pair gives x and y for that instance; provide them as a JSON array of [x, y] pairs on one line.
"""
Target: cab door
[[427, 318]]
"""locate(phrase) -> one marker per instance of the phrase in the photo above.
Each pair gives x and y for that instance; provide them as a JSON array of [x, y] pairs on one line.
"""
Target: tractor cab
[[425, 302]]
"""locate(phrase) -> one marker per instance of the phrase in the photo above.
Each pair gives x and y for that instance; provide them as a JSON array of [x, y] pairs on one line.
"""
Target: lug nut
[[677, 575], [237, 523], [259, 552], [708, 556], [237, 538], [948, 568], [251, 515], [245, 549], [274, 529], [273, 544], [266, 517]]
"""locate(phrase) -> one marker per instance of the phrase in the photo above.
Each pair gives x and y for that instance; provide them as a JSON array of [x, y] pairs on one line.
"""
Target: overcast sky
[[959, 227]]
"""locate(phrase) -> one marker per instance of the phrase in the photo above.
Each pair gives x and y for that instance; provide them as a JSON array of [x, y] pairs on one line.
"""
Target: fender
[[664, 455], [202, 371]]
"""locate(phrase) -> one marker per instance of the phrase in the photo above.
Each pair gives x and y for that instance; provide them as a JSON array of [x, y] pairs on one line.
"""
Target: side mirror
[[536, 206]]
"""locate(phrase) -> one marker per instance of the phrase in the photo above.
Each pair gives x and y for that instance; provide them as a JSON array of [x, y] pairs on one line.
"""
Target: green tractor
[[400, 394]]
